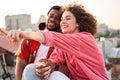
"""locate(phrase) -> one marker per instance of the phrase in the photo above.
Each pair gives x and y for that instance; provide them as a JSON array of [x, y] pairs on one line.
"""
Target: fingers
[[41, 65], [43, 70], [14, 35], [11, 37], [47, 73], [44, 74], [18, 36]]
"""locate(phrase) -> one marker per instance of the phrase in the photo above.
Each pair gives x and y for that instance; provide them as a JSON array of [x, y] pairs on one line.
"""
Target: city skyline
[[106, 11]]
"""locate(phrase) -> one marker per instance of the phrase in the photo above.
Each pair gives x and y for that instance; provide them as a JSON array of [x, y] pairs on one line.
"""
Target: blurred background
[[28, 14]]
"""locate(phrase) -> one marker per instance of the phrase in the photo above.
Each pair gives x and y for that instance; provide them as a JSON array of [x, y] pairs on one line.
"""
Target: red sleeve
[[23, 51], [28, 50]]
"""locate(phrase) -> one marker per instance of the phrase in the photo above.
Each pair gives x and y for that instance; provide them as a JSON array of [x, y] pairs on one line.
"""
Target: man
[[28, 52]]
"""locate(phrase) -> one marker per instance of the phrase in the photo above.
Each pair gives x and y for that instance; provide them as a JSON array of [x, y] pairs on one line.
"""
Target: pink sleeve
[[80, 44], [57, 57], [61, 41]]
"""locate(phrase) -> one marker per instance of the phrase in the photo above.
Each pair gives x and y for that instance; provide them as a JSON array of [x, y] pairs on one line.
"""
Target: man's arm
[[20, 65]]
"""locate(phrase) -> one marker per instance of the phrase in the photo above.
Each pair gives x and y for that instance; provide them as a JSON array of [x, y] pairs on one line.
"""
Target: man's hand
[[44, 68]]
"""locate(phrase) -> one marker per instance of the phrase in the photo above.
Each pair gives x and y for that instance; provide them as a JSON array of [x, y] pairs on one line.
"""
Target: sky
[[106, 11]]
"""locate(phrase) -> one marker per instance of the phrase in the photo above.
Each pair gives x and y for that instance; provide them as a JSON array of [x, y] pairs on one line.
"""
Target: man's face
[[53, 20]]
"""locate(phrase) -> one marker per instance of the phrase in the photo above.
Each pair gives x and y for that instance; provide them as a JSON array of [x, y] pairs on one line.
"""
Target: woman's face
[[68, 23]]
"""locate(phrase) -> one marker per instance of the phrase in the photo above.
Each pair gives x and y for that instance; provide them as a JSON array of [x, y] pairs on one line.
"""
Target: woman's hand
[[14, 35], [44, 68]]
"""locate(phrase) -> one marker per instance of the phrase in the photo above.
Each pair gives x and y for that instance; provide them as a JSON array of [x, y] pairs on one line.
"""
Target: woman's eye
[[67, 18]]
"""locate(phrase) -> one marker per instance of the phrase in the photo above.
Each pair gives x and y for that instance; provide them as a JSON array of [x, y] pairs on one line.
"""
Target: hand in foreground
[[14, 35], [44, 68]]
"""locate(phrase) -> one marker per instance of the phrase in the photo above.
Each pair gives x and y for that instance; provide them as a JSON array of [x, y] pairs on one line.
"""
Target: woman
[[76, 47]]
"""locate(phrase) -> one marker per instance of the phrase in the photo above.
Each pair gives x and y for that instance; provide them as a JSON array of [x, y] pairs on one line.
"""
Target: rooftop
[[5, 44]]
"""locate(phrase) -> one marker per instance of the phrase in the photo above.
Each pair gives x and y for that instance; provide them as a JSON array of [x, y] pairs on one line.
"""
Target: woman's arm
[[16, 35]]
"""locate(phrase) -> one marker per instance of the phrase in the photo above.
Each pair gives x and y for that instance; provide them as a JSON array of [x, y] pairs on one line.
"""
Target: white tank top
[[42, 52]]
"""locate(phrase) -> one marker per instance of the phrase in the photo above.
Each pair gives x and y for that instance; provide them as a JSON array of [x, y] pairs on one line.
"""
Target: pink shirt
[[81, 54]]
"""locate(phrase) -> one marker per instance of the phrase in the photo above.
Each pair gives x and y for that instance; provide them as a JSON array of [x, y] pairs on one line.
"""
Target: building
[[103, 28], [22, 21]]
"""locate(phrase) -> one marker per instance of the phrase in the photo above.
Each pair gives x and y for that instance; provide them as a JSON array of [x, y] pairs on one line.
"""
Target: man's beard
[[57, 29]]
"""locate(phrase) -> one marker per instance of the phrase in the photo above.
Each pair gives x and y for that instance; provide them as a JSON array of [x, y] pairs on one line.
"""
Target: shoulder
[[28, 45]]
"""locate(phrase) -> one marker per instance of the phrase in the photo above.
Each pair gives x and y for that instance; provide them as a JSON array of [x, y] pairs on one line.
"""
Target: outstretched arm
[[16, 35]]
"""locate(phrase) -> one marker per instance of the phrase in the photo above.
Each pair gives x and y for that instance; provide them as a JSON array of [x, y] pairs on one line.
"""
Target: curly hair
[[86, 21]]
